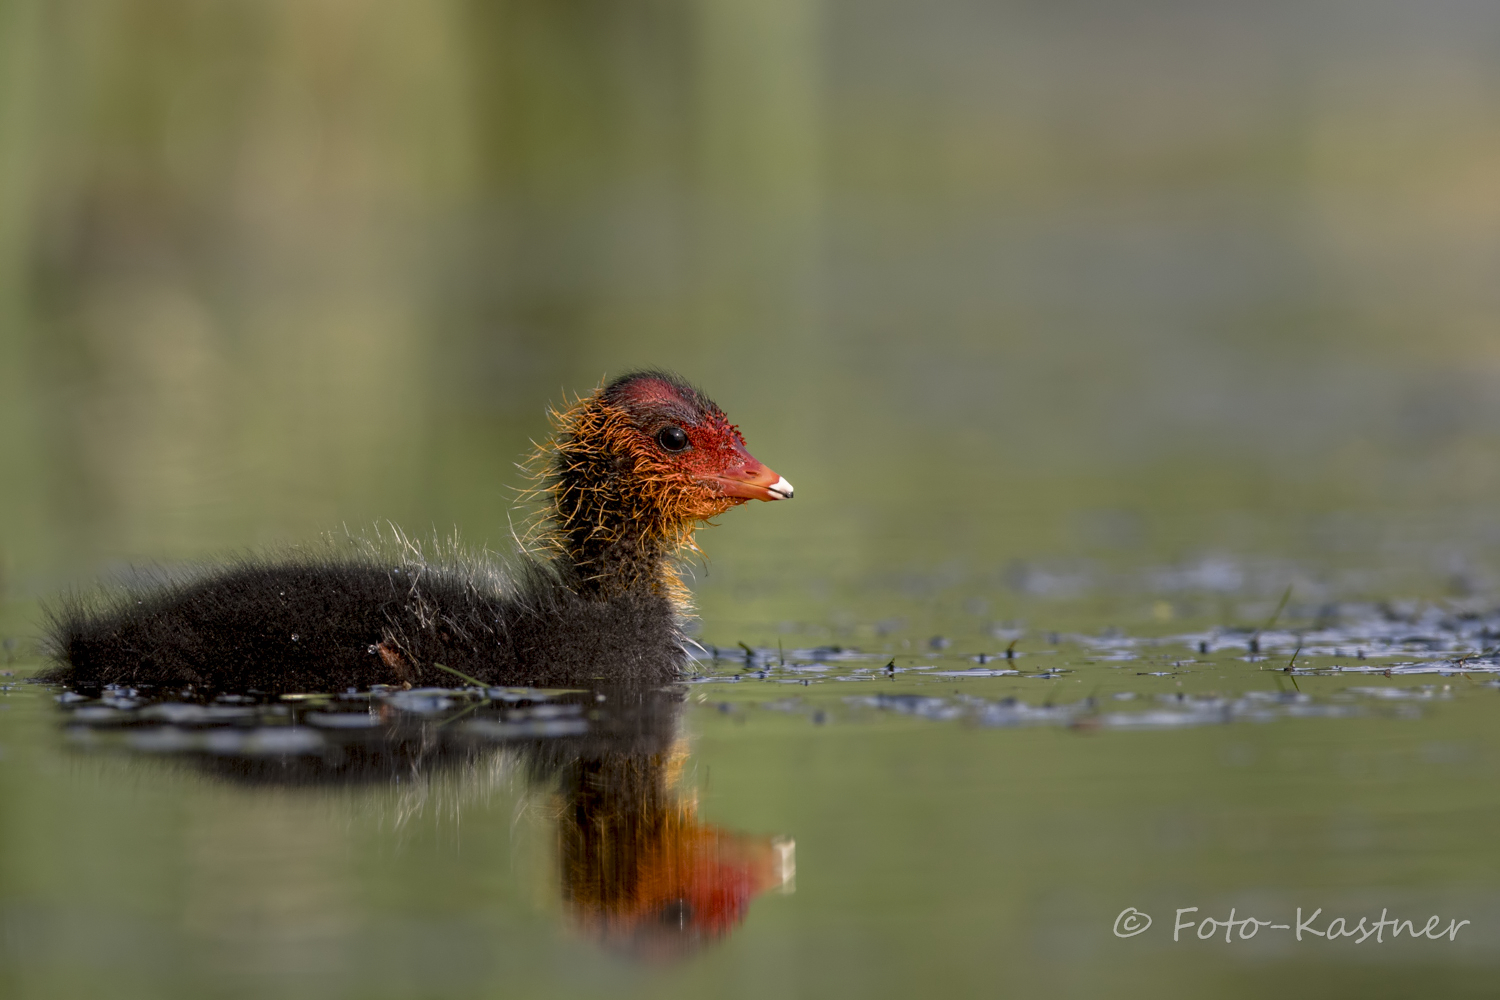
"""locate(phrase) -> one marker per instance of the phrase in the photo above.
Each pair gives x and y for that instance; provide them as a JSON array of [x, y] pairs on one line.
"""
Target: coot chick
[[629, 474]]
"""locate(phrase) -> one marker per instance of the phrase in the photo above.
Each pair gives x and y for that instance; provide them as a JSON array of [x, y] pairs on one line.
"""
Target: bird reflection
[[638, 871]]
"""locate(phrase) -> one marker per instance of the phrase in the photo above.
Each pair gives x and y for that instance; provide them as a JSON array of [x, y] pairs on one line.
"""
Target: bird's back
[[330, 625]]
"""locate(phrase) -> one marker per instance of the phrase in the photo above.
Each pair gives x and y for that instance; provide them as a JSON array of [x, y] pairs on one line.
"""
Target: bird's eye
[[677, 913], [672, 438]]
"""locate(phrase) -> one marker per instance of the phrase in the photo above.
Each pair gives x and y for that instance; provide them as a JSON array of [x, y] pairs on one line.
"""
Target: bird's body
[[631, 471], [327, 625]]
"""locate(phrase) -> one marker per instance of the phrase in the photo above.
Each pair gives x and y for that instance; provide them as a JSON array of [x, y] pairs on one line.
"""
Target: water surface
[[1084, 331]]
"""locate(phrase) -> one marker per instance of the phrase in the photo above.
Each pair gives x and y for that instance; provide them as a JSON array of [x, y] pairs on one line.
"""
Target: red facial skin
[[715, 458]]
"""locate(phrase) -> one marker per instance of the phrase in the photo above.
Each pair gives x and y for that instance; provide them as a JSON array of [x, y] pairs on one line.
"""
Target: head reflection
[[640, 872], [637, 870]]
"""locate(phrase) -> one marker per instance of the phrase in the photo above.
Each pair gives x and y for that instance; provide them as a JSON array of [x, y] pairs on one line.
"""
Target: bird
[[630, 472]]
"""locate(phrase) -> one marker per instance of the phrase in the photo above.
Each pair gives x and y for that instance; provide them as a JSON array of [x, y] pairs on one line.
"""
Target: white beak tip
[[781, 489]]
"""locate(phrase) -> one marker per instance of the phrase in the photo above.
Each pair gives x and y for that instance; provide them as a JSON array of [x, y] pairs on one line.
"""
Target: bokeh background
[[1060, 315], [1082, 303]]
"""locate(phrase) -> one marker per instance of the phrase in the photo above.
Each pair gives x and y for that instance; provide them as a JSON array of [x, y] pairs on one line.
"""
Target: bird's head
[[641, 462]]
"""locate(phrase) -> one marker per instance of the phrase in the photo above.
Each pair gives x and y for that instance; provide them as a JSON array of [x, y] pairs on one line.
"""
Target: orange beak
[[751, 480]]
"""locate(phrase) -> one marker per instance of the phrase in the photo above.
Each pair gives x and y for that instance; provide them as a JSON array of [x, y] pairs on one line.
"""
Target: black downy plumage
[[630, 472]]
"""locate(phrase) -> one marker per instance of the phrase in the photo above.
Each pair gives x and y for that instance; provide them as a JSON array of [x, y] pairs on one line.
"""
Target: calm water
[[804, 821], [1084, 334]]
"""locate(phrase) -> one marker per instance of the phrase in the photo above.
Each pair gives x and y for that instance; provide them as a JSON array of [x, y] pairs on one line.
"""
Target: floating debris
[[330, 731]]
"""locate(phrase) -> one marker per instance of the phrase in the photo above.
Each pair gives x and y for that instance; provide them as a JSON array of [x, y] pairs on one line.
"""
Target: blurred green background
[[1018, 295], [1075, 313]]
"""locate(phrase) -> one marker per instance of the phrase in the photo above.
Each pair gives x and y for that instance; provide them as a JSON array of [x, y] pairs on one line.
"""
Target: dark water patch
[[1351, 637], [1214, 676], [361, 736]]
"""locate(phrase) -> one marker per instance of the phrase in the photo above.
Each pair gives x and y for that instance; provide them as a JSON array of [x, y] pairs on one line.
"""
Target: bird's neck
[[609, 560], [609, 540]]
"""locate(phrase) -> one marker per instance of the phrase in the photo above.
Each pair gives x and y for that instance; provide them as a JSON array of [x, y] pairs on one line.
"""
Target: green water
[[931, 853], [1077, 327]]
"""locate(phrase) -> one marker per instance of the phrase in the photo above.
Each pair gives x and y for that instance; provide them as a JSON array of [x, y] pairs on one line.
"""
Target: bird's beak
[[751, 480]]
